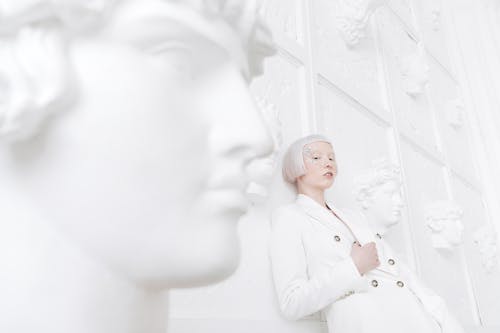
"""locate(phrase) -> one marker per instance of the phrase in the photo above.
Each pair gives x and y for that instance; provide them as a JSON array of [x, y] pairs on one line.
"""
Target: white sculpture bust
[[444, 220], [378, 191], [126, 127]]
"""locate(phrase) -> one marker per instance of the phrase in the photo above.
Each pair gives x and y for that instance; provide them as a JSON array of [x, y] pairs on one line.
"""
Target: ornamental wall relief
[[353, 17], [415, 73], [486, 239], [378, 192], [444, 220]]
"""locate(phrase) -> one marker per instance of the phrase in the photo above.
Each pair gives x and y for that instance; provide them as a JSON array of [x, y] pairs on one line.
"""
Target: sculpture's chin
[[201, 253], [203, 267], [201, 275]]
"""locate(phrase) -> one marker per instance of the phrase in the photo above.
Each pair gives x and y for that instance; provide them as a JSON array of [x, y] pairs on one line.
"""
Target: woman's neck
[[317, 195]]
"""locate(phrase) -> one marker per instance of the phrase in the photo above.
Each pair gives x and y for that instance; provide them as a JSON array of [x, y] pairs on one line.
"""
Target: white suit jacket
[[312, 267]]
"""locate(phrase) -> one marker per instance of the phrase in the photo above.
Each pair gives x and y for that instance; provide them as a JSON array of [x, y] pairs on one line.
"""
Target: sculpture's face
[[386, 204], [147, 169], [452, 230]]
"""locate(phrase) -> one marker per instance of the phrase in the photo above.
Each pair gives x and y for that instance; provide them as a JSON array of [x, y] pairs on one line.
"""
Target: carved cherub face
[[147, 168]]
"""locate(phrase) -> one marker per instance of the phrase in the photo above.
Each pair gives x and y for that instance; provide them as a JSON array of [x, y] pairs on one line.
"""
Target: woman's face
[[320, 166], [147, 170]]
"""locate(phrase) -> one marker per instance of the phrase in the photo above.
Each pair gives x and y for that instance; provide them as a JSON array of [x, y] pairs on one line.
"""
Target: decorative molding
[[455, 113], [353, 16], [415, 73], [270, 111], [486, 239], [436, 17], [262, 170], [271, 11], [444, 220]]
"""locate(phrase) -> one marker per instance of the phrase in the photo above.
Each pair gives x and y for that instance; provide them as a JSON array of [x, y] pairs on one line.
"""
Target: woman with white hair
[[323, 260]]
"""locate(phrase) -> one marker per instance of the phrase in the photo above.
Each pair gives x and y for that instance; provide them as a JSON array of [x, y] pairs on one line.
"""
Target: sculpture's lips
[[328, 174], [396, 212]]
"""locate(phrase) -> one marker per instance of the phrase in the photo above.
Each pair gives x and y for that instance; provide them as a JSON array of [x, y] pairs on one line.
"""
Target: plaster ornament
[[378, 191], [279, 12], [353, 17], [486, 239], [455, 113], [141, 168], [415, 73], [436, 18], [263, 169], [444, 220]]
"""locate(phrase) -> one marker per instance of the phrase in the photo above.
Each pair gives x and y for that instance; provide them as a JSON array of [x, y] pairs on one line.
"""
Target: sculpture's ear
[[35, 79], [367, 202]]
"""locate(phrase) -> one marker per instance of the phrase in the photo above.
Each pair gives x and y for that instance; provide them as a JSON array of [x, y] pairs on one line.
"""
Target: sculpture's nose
[[238, 128]]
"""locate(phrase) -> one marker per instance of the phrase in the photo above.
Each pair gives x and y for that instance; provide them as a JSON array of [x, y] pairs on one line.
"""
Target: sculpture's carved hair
[[381, 171], [440, 211], [35, 72]]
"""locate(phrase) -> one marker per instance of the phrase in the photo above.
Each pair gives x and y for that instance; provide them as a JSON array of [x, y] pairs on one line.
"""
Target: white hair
[[293, 161]]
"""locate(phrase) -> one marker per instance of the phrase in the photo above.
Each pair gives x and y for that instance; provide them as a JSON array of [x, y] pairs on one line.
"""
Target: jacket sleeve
[[299, 293]]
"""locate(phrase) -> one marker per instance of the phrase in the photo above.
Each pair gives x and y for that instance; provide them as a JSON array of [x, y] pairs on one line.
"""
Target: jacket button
[[400, 284], [375, 283], [391, 261], [337, 238]]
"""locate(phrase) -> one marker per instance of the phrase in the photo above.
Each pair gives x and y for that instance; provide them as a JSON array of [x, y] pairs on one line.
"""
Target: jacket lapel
[[362, 234], [325, 217]]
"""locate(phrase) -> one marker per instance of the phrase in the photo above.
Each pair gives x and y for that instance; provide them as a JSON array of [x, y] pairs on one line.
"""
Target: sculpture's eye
[[175, 55]]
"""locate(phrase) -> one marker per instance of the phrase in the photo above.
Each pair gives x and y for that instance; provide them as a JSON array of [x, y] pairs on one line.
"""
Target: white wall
[[419, 87]]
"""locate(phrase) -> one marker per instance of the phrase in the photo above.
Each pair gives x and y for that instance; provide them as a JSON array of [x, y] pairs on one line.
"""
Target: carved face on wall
[[415, 71], [385, 204], [146, 170], [378, 191], [444, 219], [447, 231]]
